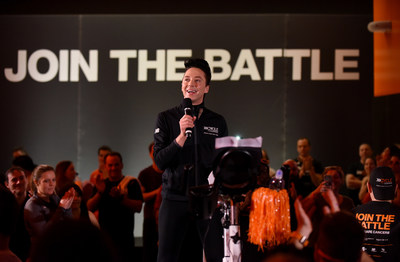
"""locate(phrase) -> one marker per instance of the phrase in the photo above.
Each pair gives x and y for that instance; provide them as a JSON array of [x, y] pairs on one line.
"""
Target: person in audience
[[339, 236], [380, 218], [118, 198], [383, 159], [315, 202], [16, 182], [65, 175], [310, 169], [150, 180], [8, 219], [89, 185], [79, 206], [356, 173], [291, 175], [265, 159], [45, 207], [369, 165], [26, 163], [101, 170], [74, 240], [292, 178], [394, 164], [19, 151]]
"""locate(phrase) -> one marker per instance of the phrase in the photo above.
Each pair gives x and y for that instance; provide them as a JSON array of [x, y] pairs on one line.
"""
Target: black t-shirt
[[116, 219], [357, 170], [381, 223], [20, 240], [150, 180], [304, 186]]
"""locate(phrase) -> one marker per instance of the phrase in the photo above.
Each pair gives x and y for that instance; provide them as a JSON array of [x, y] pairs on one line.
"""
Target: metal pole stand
[[230, 223]]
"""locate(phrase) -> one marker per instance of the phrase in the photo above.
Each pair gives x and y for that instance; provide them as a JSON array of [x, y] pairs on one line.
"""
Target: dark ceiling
[[184, 7]]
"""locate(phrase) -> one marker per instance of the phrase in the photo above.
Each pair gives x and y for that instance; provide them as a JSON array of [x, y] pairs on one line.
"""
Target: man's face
[[365, 151], [101, 156], [114, 167], [303, 147], [194, 85], [17, 182]]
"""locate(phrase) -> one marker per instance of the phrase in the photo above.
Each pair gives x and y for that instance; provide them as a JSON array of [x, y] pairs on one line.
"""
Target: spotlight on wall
[[380, 26]]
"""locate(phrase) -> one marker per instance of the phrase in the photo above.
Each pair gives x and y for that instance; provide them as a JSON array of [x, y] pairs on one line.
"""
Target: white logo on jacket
[[210, 130]]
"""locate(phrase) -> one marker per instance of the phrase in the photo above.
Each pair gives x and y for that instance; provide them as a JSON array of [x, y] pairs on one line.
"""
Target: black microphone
[[187, 108]]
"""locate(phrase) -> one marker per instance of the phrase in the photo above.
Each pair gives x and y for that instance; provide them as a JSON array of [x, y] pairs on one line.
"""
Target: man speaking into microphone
[[184, 145]]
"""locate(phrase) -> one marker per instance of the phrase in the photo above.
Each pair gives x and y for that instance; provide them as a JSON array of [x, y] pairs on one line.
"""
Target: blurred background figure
[[150, 181], [19, 151], [310, 169], [369, 165], [340, 238], [16, 182], [265, 160], [65, 176], [74, 240], [395, 166], [356, 173], [118, 198], [383, 159], [89, 185], [101, 153], [79, 206], [8, 219]]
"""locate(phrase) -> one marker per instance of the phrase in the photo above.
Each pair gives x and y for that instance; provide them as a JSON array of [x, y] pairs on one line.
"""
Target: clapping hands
[[67, 199]]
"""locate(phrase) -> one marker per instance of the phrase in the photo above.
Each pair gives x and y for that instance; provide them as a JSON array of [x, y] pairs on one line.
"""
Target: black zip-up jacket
[[173, 159]]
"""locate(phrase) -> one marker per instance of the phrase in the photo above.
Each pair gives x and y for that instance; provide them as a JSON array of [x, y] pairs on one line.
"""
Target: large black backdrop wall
[[72, 83]]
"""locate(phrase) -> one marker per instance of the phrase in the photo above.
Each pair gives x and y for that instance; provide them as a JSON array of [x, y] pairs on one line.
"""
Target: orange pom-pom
[[269, 218]]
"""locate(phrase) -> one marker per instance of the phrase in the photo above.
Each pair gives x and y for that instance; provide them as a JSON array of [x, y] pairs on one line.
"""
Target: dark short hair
[[25, 162], [341, 236], [11, 170], [305, 138], [336, 168], [200, 64], [113, 153], [105, 148], [394, 151]]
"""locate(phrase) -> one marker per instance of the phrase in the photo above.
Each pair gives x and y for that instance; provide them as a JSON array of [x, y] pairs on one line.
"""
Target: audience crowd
[[349, 213]]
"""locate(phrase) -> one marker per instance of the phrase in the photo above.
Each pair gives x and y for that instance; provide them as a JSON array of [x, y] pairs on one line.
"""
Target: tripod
[[230, 223]]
